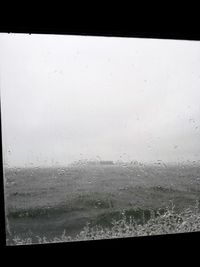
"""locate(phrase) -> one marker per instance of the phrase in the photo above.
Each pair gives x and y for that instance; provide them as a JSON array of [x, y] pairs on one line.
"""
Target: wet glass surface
[[98, 128]]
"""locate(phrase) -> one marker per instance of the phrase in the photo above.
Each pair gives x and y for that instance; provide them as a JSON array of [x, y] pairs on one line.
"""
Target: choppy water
[[46, 201]]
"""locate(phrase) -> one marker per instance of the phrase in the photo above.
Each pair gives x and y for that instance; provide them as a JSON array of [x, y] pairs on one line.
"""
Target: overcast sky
[[65, 98]]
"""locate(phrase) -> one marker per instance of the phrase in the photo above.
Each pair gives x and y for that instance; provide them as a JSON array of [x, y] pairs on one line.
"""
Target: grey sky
[[66, 98]]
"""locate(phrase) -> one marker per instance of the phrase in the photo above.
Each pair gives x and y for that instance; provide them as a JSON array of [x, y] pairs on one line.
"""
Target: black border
[[121, 30]]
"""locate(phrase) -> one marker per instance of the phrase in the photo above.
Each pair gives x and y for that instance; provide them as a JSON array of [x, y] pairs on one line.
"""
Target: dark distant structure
[[106, 162]]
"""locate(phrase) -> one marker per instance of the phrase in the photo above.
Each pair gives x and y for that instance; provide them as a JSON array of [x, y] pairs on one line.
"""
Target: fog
[[66, 98]]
